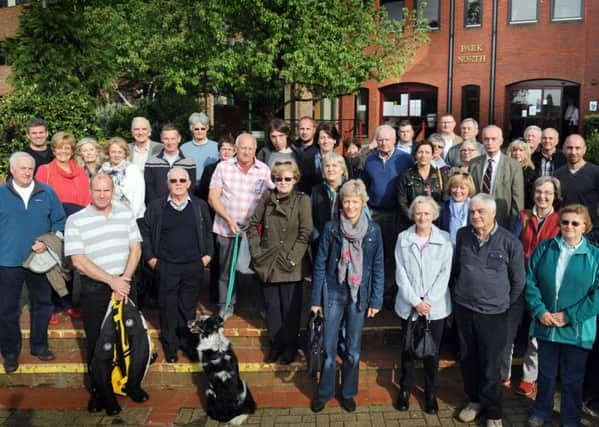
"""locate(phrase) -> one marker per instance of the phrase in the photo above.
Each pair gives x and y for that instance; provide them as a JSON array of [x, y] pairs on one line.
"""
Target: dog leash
[[232, 271]]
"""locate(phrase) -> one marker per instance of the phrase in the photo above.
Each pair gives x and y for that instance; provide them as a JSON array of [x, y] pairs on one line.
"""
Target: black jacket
[[151, 227], [410, 185], [558, 158]]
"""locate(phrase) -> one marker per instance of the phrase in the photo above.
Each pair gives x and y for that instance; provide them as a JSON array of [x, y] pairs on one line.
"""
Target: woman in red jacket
[[71, 184], [532, 227]]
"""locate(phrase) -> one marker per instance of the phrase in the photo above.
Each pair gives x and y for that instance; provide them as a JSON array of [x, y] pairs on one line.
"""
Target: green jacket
[[578, 295], [278, 249]]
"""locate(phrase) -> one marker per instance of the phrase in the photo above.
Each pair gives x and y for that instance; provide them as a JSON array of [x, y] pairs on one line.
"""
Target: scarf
[[334, 199], [351, 260], [117, 173], [458, 218]]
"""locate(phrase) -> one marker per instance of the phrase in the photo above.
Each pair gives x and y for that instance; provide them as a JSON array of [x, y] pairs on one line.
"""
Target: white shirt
[[139, 157], [24, 192]]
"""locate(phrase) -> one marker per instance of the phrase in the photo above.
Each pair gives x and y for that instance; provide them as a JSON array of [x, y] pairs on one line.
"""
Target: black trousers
[[483, 338], [515, 314], [431, 364], [283, 309], [178, 293]]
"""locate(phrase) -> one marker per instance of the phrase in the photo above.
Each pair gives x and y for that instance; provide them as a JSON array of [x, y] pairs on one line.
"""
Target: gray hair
[[141, 119], [380, 128], [471, 120], [424, 199], [177, 169], [489, 127], [556, 186], [101, 175], [485, 199], [354, 188], [12, 161], [195, 118], [88, 140], [238, 139], [334, 157], [436, 137], [534, 128]]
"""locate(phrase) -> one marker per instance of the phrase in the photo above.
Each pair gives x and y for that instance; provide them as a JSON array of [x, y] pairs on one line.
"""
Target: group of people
[[445, 226]]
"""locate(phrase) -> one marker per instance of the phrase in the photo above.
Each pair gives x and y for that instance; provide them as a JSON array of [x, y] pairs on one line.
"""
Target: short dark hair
[[226, 139], [330, 129], [167, 127], [278, 125], [35, 123], [405, 122]]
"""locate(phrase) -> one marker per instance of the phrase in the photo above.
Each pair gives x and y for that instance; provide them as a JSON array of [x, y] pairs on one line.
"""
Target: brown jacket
[[286, 224]]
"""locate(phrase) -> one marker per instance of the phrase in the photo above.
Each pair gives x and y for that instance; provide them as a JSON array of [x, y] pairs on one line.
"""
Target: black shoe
[[403, 401], [273, 355], [316, 405], [287, 358], [348, 404], [10, 364], [172, 358], [430, 405], [137, 395], [95, 404], [113, 410], [45, 355]]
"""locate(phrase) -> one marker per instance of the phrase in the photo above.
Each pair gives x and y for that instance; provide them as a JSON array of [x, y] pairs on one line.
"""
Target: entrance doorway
[[542, 103]]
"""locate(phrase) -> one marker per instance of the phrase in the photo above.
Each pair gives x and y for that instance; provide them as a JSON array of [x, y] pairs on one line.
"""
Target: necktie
[[487, 177]]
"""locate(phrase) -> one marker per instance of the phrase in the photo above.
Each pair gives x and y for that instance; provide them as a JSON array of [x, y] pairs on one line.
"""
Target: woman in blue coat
[[562, 291], [348, 287]]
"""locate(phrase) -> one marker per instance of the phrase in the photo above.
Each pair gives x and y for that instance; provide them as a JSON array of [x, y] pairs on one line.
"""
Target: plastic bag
[[243, 256]]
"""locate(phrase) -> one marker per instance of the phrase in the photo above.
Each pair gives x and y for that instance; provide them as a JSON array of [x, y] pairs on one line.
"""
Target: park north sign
[[470, 54]]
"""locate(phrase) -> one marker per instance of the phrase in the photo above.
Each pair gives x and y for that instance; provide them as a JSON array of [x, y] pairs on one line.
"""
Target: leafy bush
[[71, 112]]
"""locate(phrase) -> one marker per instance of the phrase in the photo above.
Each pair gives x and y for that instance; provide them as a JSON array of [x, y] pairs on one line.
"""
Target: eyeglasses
[[455, 173], [438, 146], [175, 180], [283, 178], [572, 223], [467, 150], [197, 129]]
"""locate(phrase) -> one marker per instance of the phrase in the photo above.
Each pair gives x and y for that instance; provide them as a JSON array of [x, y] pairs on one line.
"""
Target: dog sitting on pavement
[[228, 397]]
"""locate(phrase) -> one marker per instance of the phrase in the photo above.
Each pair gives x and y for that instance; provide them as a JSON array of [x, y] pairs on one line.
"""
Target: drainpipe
[[450, 59], [493, 65]]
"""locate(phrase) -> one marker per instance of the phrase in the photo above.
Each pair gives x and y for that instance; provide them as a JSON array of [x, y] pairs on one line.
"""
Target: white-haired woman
[[88, 154], [347, 287], [423, 256]]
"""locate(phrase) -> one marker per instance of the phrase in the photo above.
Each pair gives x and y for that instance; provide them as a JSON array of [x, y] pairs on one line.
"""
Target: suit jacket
[[155, 148], [508, 189]]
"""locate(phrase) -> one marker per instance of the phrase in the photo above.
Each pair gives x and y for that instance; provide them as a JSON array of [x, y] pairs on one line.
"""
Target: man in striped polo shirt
[[103, 242]]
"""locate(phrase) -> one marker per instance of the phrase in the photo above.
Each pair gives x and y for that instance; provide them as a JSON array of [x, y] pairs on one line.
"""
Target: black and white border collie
[[228, 396]]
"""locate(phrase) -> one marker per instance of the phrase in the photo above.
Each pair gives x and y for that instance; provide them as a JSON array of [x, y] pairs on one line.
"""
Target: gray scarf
[[351, 260]]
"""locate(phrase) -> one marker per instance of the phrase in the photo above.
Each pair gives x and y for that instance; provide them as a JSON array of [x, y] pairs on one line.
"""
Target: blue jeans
[[340, 308], [40, 309], [571, 363]]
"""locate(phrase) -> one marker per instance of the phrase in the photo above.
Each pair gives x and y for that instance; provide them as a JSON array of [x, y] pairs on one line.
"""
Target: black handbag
[[418, 338], [315, 354]]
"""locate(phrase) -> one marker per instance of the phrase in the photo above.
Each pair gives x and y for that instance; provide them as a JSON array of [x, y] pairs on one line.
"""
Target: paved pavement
[[515, 415]]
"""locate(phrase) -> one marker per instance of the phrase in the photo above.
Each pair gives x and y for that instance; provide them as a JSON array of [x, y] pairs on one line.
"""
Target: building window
[[473, 13], [566, 10], [361, 115], [431, 12], [394, 9], [471, 102], [325, 110], [3, 3], [524, 11], [414, 101]]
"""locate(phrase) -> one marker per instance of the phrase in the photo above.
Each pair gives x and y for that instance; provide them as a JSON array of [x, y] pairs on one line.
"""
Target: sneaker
[[535, 421], [495, 423], [53, 319], [226, 314], [525, 389], [469, 412]]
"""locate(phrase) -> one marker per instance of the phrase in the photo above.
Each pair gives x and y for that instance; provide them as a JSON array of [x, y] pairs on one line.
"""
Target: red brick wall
[[544, 50], [9, 23]]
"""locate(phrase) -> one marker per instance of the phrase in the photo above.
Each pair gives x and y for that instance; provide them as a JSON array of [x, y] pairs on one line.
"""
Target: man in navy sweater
[[177, 245], [381, 171], [28, 209]]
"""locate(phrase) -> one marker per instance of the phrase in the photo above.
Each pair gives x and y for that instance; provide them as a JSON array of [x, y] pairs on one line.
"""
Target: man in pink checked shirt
[[236, 188]]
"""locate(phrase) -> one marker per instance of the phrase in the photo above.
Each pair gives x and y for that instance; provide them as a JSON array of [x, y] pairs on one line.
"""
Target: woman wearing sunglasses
[[285, 221], [562, 292]]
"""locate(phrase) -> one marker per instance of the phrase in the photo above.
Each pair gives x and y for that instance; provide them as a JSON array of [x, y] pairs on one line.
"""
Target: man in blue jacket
[[28, 209]]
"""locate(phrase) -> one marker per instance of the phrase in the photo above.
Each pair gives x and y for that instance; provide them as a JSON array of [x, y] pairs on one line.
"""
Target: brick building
[[9, 22], [509, 62]]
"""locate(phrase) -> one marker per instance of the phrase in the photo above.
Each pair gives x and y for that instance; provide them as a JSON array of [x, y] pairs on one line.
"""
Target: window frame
[[466, 25], [464, 89], [381, 4], [417, 5], [575, 19], [524, 21]]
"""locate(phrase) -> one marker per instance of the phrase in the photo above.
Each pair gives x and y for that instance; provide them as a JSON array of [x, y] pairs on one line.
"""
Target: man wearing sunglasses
[[177, 246]]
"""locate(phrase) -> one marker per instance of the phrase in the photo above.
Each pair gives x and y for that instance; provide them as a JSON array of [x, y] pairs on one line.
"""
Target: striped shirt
[[241, 192], [105, 241]]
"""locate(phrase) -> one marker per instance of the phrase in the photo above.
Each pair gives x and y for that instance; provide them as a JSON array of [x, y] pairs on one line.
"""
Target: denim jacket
[[370, 293]]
